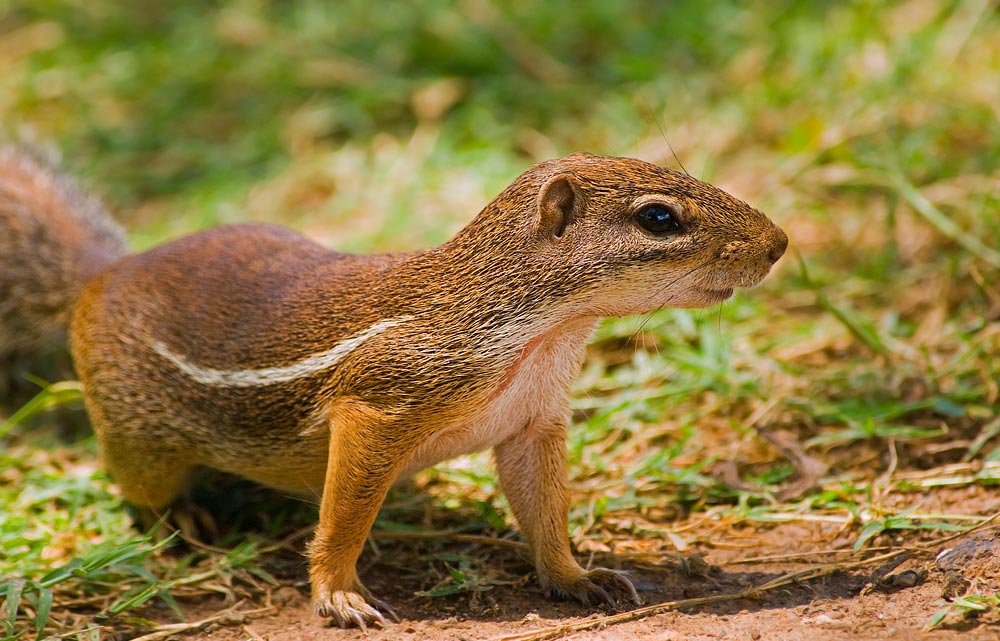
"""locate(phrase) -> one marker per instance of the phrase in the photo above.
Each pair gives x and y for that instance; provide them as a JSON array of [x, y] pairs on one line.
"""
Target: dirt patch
[[881, 601]]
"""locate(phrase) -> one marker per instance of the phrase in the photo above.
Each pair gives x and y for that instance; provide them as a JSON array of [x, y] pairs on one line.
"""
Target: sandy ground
[[843, 605]]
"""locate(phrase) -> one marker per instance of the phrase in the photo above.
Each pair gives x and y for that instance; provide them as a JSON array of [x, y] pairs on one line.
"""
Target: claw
[[348, 608], [600, 592], [358, 621], [599, 585], [386, 608]]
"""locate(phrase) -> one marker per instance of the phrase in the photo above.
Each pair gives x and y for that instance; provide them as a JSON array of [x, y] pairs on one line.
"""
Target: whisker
[[718, 328], [656, 294], [663, 133]]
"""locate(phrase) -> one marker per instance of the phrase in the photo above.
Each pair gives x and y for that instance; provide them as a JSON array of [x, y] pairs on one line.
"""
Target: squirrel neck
[[490, 277]]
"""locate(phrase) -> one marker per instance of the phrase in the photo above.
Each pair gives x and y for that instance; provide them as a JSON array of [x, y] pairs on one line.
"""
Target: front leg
[[364, 459], [532, 467]]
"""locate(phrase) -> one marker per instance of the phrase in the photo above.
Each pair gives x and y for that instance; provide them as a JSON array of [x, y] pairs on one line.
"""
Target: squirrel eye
[[658, 219]]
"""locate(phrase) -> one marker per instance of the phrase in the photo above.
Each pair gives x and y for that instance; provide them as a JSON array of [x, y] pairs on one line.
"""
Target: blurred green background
[[869, 130], [344, 115]]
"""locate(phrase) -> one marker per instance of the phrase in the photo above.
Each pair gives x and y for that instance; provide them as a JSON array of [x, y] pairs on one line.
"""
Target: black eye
[[658, 219]]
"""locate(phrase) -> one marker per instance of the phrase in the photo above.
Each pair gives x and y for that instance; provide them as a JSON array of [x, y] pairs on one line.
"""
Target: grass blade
[[42, 611], [942, 223], [52, 396], [14, 590], [861, 330]]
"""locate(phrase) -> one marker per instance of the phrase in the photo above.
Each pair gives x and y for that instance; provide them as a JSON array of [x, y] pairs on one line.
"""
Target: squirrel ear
[[559, 204]]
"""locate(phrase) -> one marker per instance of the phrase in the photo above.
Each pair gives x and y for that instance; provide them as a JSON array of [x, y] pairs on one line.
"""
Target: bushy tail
[[53, 238]]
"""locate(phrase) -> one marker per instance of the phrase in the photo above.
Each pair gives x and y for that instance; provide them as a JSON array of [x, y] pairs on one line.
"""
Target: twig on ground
[[809, 469], [774, 558], [286, 543], [234, 615]]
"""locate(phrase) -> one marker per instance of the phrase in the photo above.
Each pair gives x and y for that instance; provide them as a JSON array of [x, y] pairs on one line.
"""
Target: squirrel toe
[[597, 586], [347, 608]]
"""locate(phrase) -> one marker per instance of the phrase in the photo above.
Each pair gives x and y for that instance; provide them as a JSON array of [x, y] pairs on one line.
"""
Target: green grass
[[868, 130], [967, 607]]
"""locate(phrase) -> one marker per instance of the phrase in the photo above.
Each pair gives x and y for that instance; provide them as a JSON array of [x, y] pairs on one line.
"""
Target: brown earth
[[843, 605]]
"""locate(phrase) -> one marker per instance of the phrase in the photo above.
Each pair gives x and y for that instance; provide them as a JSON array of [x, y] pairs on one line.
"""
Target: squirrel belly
[[251, 349]]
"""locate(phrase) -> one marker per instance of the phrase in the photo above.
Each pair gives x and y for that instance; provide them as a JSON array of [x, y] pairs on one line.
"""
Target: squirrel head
[[621, 236]]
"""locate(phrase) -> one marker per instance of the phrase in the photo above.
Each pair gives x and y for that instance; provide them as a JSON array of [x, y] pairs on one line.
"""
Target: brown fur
[[53, 239], [486, 335]]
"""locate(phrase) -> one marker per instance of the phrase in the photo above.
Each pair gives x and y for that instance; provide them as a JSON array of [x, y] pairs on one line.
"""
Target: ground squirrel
[[253, 350]]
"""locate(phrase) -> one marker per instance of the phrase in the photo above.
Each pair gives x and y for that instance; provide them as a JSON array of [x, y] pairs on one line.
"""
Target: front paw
[[355, 607], [599, 585]]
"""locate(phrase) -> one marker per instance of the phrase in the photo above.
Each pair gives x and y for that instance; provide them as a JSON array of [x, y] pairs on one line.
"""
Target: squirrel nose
[[779, 246]]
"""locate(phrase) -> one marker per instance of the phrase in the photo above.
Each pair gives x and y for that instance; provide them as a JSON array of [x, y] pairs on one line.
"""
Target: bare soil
[[870, 603]]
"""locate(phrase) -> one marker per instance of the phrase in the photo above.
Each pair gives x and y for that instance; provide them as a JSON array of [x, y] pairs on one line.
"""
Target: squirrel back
[[53, 239]]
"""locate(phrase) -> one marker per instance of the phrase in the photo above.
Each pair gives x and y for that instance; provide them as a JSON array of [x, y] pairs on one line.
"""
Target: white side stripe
[[269, 375]]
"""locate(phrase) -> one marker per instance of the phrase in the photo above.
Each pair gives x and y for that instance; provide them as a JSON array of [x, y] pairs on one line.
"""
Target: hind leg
[[151, 481], [153, 475], [150, 472], [146, 479], [155, 487]]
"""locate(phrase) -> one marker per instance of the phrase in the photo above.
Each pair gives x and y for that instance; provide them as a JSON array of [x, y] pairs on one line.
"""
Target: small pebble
[[285, 595]]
